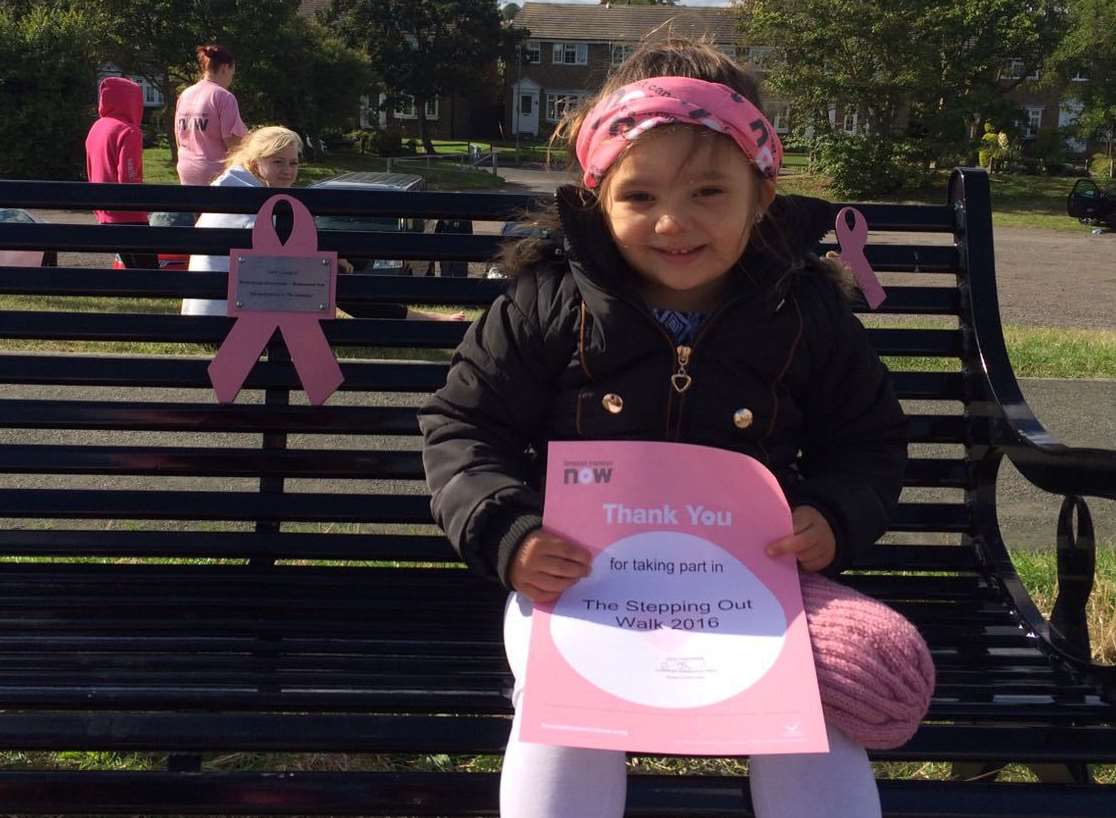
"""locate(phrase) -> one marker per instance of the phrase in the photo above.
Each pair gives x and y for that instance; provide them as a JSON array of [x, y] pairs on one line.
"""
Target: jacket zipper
[[681, 380]]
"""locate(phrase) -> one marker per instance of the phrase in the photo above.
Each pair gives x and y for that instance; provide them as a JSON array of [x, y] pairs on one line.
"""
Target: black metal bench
[[186, 578]]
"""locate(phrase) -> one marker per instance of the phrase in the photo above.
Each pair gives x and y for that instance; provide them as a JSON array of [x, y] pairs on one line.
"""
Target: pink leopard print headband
[[639, 106]]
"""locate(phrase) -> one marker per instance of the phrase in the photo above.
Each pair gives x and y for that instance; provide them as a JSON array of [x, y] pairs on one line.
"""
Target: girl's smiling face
[[278, 169], [680, 206]]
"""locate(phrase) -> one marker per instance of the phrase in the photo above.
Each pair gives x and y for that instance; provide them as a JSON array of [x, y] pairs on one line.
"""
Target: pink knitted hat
[[874, 669]]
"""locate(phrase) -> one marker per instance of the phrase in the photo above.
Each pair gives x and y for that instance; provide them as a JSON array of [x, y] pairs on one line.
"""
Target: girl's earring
[[759, 217]]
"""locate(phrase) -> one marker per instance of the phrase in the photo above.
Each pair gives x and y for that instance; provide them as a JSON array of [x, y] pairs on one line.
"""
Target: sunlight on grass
[[440, 175]]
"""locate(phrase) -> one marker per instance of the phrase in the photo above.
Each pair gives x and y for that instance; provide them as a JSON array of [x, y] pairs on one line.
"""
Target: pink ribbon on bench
[[302, 330], [853, 240]]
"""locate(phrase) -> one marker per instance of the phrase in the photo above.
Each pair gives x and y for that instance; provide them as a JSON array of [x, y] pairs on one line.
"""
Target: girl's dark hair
[[671, 56], [213, 56]]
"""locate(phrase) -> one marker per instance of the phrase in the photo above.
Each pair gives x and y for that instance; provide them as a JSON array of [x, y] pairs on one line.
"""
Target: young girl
[[269, 157], [674, 297]]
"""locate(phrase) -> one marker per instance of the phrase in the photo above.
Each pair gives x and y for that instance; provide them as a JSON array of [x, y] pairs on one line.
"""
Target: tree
[[155, 39], [927, 70], [509, 11], [289, 70], [48, 90], [1089, 51], [422, 48]]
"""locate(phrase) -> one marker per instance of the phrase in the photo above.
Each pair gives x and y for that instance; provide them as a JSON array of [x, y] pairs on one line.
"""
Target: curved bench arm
[[1013, 431], [1066, 633], [991, 380]]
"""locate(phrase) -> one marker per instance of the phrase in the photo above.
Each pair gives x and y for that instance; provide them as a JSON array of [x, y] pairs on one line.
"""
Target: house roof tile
[[597, 23]]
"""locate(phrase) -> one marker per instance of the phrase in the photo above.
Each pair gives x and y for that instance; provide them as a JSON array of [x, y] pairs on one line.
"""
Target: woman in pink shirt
[[207, 118]]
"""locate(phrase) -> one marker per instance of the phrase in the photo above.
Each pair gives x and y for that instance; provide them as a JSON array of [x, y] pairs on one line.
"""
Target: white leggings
[[541, 781]]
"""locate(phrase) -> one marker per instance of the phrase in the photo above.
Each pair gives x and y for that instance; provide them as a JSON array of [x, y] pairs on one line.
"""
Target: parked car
[[167, 261], [383, 224], [1091, 204], [21, 216]]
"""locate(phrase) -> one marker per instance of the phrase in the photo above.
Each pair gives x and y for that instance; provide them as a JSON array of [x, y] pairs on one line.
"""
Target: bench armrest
[[1050, 465]]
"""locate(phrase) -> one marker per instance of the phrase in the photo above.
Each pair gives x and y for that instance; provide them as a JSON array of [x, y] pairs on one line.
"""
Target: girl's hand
[[344, 266], [812, 543], [546, 565]]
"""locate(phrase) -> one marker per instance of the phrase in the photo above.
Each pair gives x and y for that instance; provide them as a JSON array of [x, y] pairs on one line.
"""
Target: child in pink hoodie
[[114, 152]]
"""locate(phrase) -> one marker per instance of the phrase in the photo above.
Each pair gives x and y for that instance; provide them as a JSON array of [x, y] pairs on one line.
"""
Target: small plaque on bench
[[283, 284]]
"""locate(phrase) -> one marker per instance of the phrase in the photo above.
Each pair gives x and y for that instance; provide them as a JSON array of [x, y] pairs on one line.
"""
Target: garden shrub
[[48, 92]]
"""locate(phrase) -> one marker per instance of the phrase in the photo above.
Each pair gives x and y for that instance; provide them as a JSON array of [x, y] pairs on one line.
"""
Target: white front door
[[526, 117]]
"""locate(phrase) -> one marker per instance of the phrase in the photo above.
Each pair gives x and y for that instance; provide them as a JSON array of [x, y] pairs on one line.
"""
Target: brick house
[[570, 48], [1044, 107]]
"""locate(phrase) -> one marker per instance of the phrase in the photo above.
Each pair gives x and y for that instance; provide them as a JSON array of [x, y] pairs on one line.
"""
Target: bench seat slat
[[211, 461], [901, 258], [92, 504], [166, 328], [167, 544], [354, 732], [206, 417], [348, 420], [380, 377], [176, 372], [307, 463], [367, 289], [143, 327], [906, 558]]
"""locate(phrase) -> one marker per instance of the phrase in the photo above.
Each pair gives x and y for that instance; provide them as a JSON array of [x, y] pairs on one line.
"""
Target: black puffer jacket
[[782, 372]]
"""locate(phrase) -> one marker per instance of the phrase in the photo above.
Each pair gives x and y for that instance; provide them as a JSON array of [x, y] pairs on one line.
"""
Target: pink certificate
[[686, 637]]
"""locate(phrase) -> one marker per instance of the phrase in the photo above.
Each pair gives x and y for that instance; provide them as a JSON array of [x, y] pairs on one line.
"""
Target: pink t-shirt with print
[[206, 116]]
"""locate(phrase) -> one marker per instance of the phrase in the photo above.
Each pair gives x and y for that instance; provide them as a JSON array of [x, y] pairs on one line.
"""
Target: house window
[[532, 52], [558, 104], [1014, 71], [571, 54], [525, 104], [1079, 76], [621, 52], [780, 117], [1033, 122], [405, 108], [150, 95], [849, 123]]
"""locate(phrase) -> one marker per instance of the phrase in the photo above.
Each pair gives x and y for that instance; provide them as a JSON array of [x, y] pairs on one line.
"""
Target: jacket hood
[[121, 99], [236, 176], [782, 246]]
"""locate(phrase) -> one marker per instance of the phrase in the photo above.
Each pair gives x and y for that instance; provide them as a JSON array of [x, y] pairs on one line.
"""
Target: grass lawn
[[440, 175], [1017, 200]]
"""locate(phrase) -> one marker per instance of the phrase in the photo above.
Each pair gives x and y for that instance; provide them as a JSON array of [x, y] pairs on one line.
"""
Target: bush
[[1100, 166], [862, 165], [387, 142], [48, 92]]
